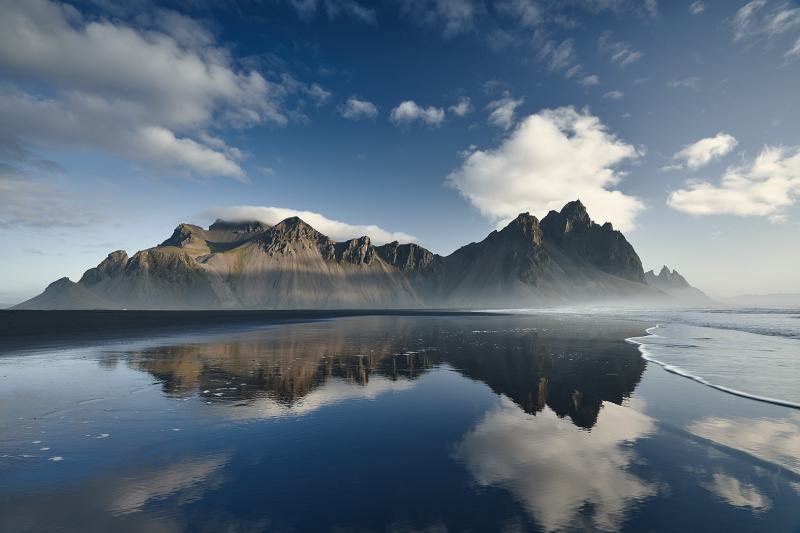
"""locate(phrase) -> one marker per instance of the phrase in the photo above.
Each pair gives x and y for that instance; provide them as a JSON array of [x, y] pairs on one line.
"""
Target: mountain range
[[564, 258]]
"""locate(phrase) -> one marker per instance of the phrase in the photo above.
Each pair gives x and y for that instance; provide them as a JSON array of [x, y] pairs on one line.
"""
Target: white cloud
[[462, 108], [335, 229], [614, 95], [753, 23], [190, 477], [551, 158], [409, 111], [737, 493], [91, 97], [502, 112], [696, 8], [357, 109], [704, 151], [588, 81], [557, 471], [775, 441], [557, 56], [795, 50], [619, 52], [451, 17], [766, 187]]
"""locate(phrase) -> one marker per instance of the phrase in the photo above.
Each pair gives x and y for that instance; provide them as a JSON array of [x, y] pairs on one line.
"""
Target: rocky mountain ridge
[[564, 258]]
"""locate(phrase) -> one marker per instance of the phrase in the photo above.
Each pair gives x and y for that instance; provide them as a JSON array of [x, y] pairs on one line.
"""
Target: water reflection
[[564, 478], [189, 477], [737, 493], [775, 441], [298, 368], [474, 423]]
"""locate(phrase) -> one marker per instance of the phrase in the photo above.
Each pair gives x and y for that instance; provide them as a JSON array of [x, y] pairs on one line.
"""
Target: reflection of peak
[[291, 363]]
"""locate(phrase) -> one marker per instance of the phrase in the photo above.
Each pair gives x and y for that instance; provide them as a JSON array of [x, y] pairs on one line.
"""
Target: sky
[[433, 121]]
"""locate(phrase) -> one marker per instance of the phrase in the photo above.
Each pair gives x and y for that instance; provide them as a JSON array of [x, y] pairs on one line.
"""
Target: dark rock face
[[564, 258], [409, 257], [603, 246], [238, 227]]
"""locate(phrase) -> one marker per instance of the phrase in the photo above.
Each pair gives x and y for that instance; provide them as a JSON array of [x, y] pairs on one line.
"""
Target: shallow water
[[391, 423], [752, 352]]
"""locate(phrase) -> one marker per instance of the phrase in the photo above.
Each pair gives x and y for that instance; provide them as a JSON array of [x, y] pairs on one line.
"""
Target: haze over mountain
[[564, 258], [672, 283]]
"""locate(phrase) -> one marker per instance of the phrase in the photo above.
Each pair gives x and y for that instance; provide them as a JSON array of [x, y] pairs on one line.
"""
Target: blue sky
[[432, 120]]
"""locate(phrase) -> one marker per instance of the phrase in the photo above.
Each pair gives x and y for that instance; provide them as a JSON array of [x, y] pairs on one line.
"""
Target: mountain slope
[[251, 265]]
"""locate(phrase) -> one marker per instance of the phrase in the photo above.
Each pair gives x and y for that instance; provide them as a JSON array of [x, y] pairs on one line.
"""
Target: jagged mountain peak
[[525, 226], [248, 264], [666, 278], [573, 218], [575, 210]]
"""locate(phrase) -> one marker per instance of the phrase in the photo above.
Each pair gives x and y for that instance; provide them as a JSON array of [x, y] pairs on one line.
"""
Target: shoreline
[[24, 329], [672, 369], [52, 329]]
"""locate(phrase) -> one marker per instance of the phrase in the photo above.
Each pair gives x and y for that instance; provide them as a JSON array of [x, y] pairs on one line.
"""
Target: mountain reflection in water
[[283, 369], [393, 423]]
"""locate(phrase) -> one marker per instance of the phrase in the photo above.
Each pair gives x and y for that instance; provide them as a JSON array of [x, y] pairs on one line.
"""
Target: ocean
[[749, 351]]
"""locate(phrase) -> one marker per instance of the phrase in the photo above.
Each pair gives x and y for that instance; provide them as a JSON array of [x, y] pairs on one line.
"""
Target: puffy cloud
[[409, 111], [335, 229], [704, 151], [551, 158], [737, 493], [452, 17], [588, 81], [774, 441], [614, 95], [462, 108], [543, 461], [766, 187], [87, 94], [356, 109], [620, 52], [502, 112]]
